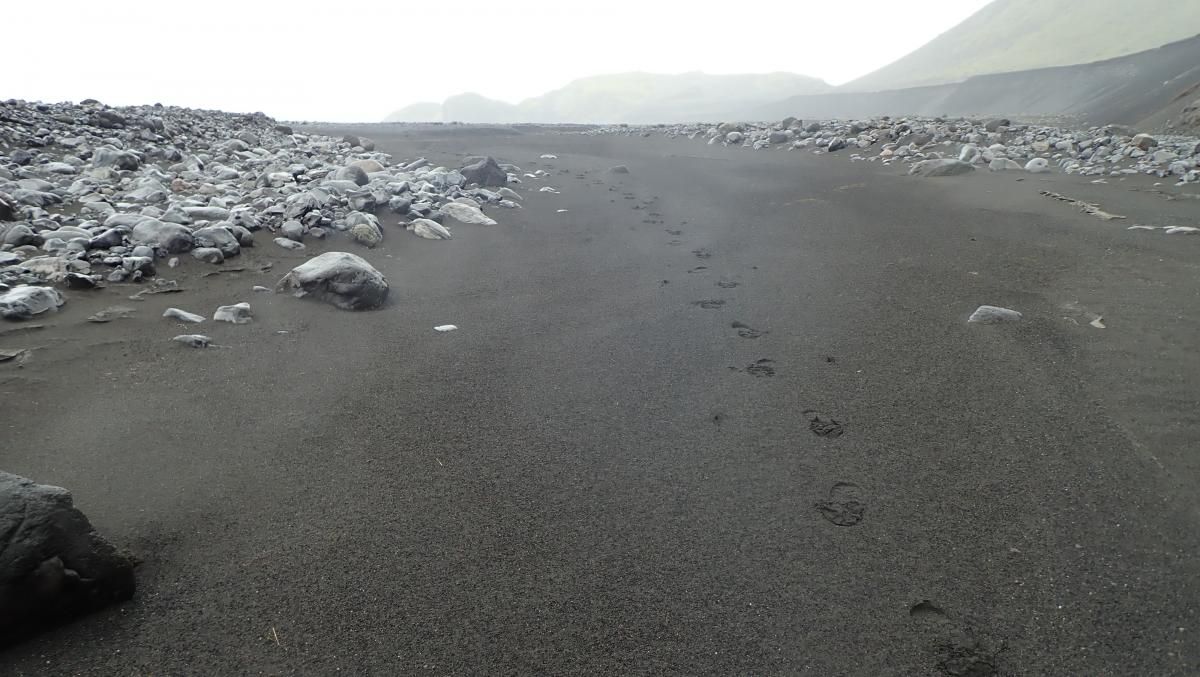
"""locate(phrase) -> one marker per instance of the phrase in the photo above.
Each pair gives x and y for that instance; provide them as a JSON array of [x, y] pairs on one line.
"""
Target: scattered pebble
[[994, 315], [183, 315], [239, 313], [193, 340]]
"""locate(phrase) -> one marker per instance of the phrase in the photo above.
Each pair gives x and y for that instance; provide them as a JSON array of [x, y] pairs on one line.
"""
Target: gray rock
[[53, 564], [182, 315], [288, 244], [352, 173], [1038, 166], [116, 159], [169, 237], [430, 230], [994, 315], [368, 165], [942, 167], [25, 301], [467, 214], [238, 313], [1144, 142], [193, 340], [995, 124], [207, 213], [366, 232], [292, 230], [22, 234], [208, 255], [218, 237], [485, 172], [343, 279]]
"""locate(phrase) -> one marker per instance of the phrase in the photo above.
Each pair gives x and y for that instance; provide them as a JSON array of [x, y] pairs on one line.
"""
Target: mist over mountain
[[623, 97], [1016, 35]]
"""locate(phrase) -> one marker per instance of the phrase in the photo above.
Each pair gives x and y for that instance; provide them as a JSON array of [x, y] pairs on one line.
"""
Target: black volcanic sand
[[598, 474]]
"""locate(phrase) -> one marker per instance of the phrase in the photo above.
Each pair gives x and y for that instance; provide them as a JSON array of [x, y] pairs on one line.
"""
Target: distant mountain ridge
[[623, 97], [1146, 90], [1017, 35], [1097, 59]]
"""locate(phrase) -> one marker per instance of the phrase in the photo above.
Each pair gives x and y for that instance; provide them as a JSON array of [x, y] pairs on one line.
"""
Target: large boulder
[[170, 237], [22, 303], [218, 237], [117, 159], [1144, 142], [352, 173], [53, 564], [485, 172], [340, 278]]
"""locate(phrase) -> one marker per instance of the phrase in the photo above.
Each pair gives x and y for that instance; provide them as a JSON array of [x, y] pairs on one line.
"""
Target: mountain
[[477, 108], [426, 111], [1148, 90], [623, 97], [1017, 35], [651, 97]]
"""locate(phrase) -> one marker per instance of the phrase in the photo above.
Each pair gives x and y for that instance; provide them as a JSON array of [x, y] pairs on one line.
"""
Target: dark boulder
[[53, 564], [485, 172], [108, 119]]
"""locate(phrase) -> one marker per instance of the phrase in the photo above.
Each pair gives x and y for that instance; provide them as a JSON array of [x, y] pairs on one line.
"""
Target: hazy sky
[[359, 60]]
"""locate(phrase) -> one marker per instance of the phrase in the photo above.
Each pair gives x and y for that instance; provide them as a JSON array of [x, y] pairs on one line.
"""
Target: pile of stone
[[93, 195], [940, 147]]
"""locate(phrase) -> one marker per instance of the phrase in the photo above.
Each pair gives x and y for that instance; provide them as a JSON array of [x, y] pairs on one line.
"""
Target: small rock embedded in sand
[[994, 315], [619, 169], [445, 327], [1037, 166], [183, 315], [944, 167], [429, 229], [467, 214], [289, 244], [238, 313], [193, 340], [209, 255]]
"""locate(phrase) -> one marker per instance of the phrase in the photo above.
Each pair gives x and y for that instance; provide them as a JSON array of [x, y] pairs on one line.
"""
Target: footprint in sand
[[960, 652], [746, 331], [675, 243], [728, 284], [698, 269], [759, 369], [702, 253], [709, 304], [823, 427], [674, 232], [844, 507]]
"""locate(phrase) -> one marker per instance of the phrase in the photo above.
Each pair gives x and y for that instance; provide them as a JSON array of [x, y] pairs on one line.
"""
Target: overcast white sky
[[359, 60]]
